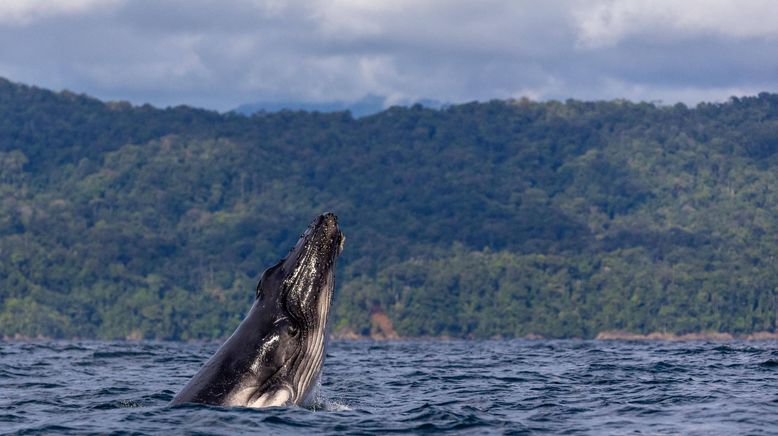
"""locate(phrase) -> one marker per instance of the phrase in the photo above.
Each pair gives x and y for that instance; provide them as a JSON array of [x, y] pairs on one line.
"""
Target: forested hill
[[505, 218]]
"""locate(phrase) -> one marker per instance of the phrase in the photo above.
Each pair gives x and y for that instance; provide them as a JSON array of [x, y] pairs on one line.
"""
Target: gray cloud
[[221, 53]]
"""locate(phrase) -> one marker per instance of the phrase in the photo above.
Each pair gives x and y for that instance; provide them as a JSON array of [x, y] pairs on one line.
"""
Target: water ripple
[[506, 387]]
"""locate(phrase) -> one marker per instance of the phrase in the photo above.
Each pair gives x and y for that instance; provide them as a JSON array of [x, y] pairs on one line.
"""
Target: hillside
[[504, 218]]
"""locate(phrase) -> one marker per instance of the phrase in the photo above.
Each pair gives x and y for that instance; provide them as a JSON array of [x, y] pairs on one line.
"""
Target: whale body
[[275, 356]]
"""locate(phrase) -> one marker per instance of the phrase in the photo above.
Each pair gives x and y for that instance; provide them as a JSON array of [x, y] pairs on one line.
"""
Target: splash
[[318, 403]]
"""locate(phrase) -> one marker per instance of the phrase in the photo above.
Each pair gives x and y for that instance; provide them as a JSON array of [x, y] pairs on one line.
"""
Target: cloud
[[608, 23], [220, 54], [21, 12]]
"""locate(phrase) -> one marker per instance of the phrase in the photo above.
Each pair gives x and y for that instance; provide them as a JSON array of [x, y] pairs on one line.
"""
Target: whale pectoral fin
[[277, 397]]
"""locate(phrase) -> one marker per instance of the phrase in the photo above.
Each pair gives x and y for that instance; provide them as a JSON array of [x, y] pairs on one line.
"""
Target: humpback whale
[[275, 355]]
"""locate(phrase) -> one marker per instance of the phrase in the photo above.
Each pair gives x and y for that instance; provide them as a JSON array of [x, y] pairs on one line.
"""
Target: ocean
[[484, 387]]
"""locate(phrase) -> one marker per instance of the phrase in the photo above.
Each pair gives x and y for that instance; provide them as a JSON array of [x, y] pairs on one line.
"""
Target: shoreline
[[602, 336], [618, 335], [346, 336]]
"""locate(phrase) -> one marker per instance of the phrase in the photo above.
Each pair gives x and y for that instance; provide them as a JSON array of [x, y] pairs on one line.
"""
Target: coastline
[[618, 335], [607, 335], [379, 336]]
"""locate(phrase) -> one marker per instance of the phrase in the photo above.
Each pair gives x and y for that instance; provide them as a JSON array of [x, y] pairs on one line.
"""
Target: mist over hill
[[368, 105], [504, 218]]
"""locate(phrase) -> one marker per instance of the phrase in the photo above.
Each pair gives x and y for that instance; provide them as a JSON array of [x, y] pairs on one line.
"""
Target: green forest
[[495, 219]]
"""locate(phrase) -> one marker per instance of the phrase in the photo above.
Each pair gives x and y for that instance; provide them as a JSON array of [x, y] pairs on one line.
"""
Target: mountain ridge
[[504, 218]]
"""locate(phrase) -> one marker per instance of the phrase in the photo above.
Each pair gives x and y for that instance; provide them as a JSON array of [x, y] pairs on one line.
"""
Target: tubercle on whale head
[[305, 277], [316, 250]]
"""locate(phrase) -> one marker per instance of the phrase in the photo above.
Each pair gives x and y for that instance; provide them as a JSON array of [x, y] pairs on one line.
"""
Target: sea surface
[[501, 387]]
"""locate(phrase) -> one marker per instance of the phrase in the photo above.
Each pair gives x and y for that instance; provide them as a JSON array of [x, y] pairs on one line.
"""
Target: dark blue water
[[485, 387]]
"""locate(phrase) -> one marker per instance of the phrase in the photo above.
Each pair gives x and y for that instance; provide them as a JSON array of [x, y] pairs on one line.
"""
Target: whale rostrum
[[275, 355]]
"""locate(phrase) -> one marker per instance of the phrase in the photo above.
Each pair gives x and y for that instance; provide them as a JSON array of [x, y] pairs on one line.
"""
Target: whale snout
[[327, 226]]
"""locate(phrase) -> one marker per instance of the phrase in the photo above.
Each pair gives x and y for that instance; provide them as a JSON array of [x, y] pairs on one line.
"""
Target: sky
[[219, 54]]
